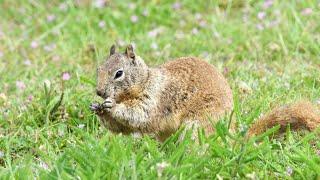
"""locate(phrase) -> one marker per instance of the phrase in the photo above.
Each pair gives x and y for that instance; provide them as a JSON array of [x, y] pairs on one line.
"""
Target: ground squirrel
[[186, 91]]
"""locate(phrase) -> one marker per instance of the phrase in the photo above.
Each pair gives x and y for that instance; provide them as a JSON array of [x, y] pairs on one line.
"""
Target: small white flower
[[121, 42], [1, 154], [198, 16], [55, 58], [47, 83], [195, 31], [27, 62], [131, 5], [102, 24], [251, 175], [161, 167], [63, 6], [179, 35], [243, 128], [43, 165], [81, 126], [154, 45], [145, 12], [289, 171], [51, 17], [182, 23], [49, 47], [203, 23], [259, 27]]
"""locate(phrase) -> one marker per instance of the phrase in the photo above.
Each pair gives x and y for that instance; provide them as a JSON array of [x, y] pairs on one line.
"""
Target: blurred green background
[[269, 50]]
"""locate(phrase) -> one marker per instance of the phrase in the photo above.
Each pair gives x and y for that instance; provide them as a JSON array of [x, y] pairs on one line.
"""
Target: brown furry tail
[[300, 115]]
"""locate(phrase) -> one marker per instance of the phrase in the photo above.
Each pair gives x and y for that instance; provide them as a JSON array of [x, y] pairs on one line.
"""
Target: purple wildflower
[[261, 15], [63, 7], [226, 70], [66, 76], [34, 44], [267, 4], [131, 5], [260, 27], [30, 98], [134, 18], [51, 17], [306, 11], [20, 85], [100, 3], [176, 5]]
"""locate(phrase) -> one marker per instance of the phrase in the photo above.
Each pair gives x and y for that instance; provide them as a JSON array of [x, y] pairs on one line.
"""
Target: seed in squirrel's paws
[[94, 106]]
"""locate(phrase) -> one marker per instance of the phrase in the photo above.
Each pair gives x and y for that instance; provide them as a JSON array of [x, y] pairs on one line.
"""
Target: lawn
[[49, 50]]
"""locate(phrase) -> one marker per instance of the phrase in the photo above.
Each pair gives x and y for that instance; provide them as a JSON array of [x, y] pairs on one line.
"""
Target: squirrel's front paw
[[107, 104]]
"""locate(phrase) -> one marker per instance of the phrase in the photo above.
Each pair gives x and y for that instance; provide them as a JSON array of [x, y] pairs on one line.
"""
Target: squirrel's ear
[[112, 49], [129, 52]]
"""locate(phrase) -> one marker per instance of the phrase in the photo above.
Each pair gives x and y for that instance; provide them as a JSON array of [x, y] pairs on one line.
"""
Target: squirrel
[[185, 92]]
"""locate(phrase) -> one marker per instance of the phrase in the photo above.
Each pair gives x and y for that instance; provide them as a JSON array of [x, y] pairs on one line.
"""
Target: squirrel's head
[[122, 76]]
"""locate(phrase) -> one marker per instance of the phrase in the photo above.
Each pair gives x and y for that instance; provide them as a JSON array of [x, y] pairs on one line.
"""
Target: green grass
[[43, 138]]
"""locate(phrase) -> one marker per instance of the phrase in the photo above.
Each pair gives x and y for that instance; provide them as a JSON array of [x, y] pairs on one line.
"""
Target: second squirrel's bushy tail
[[300, 115]]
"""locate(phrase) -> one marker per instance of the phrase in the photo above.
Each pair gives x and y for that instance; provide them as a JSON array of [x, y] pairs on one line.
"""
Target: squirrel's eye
[[119, 73]]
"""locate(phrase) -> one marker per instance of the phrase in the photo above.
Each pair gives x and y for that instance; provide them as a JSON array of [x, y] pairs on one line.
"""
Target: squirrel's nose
[[100, 93]]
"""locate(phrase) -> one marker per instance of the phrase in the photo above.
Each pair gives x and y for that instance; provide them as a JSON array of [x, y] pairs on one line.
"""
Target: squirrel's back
[[195, 91], [199, 84]]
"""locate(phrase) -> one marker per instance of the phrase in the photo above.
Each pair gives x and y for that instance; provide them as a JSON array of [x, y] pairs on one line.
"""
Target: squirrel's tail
[[300, 115]]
